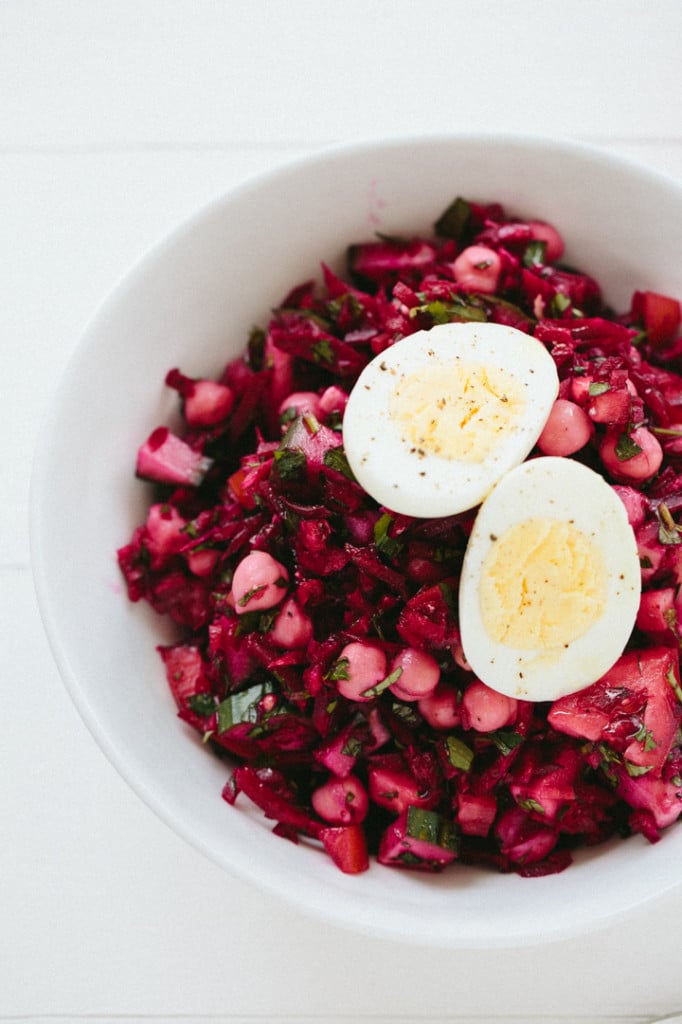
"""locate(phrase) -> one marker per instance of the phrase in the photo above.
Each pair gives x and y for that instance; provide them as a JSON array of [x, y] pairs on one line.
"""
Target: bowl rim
[[553, 930]]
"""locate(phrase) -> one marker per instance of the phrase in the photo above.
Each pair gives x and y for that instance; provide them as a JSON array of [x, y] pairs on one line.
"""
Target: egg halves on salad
[[550, 583], [435, 420]]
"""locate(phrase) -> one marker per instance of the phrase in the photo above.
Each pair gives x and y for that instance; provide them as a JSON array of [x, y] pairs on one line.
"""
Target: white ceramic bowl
[[191, 303]]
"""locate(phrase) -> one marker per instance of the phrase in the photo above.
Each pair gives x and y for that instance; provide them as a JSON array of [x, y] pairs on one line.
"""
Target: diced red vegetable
[[205, 402], [347, 847], [420, 840], [476, 813], [185, 672], [392, 785], [635, 707], [524, 840], [168, 459], [661, 315]]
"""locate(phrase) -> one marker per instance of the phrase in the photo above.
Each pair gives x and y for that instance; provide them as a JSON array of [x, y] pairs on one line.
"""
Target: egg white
[[423, 479], [566, 491]]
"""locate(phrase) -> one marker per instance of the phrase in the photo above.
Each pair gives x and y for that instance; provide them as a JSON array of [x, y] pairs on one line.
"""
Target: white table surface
[[117, 120]]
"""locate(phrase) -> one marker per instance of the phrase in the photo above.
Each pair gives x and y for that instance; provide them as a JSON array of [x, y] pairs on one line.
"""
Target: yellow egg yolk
[[458, 412], [543, 585]]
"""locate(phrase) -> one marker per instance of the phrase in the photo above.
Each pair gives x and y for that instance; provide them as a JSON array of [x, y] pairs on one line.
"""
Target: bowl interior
[[191, 303]]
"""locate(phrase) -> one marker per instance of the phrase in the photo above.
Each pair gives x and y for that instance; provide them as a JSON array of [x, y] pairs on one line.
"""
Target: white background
[[117, 120]]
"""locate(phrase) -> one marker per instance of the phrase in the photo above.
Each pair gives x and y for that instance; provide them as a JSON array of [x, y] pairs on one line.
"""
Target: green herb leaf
[[242, 706], [446, 553], [311, 422], [626, 448], [668, 530], [255, 622], [383, 236], [348, 304], [202, 704], [335, 458], [250, 594], [670, 616], [352, 747], [646, 737], [288, 416], [409, 859], [506, 740], [437, 310], [529, 804], [389, 794], [431, 827], [374, 691], [598, 387], [635, 770], [291, 463], [608, 755], [388, 546], [503, 304], [256, 348], [458, 753], [448, 595], [406, 713], [323, 352], [534, 254], [608, 758], [666, 431], [446, 312], [339, 670], [454, 221], [559, 304], [672, 680]]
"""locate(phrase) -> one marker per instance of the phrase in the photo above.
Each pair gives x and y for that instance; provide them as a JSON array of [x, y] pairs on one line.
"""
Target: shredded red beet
[[268, 658]]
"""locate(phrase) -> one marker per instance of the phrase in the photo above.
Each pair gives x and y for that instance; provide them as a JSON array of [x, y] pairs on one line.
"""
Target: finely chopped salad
[[321, 644]]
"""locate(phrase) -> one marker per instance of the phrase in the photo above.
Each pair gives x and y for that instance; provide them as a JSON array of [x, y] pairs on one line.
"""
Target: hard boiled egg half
[[550, 583], [435, 420]]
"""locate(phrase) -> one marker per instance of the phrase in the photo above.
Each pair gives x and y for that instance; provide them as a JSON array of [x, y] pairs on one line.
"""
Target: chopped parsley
[[626, 448]]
